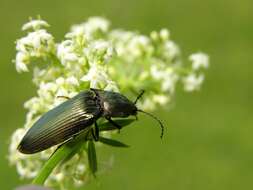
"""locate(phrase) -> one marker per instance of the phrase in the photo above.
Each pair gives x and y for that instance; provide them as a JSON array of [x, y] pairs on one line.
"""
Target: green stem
[[62, 153], [47, 169]]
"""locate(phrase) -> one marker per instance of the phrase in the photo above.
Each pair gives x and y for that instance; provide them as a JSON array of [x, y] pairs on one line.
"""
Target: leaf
[[106, 126], [112, 142], [92, 158]]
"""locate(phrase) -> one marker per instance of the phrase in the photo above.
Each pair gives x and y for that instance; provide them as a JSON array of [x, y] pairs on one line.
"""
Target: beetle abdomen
[[61, 123]]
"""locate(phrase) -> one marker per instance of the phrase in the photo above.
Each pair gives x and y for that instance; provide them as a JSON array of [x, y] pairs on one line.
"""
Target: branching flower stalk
[[93, 55]]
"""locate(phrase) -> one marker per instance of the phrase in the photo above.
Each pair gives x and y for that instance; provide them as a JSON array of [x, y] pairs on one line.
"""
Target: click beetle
[[76, 115]]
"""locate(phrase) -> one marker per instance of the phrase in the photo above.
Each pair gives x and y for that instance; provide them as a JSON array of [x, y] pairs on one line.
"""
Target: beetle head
[[116, 105]]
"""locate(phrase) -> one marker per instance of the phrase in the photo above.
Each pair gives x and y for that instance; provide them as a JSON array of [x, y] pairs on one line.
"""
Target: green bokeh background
[[209, 136]]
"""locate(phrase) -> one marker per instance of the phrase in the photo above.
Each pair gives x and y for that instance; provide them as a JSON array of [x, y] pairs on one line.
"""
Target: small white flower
[[139, 45], [171, 50], [65, 52], [50, 86], [47, 90], [72, 81], [164, 34], [169, 81], [166, 76], [15, 140], [96, 76], [154, 35], [90, 28], [156, 72], [75, 30], [161, 99], [59, 177], [99, 51], [147, 104], [96, 23], [111, 86], [193, 82], [199, 60], [35, 25], [21, 62], [35, 44], [62, 92]]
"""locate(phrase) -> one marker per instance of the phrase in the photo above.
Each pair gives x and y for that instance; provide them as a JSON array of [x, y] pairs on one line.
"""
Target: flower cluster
[[93, 55]]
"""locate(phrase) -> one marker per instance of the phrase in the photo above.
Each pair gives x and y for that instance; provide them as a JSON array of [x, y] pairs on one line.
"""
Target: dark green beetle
[[76, 115]]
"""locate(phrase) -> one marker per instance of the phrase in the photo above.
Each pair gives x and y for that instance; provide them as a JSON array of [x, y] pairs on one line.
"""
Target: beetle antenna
[[139, 96], [158, 120]]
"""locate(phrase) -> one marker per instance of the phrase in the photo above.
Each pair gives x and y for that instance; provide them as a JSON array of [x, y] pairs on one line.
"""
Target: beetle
[[77, 114]]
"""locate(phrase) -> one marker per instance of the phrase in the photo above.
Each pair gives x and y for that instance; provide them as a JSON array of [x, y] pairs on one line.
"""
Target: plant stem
[[61, 153], [52, 162]]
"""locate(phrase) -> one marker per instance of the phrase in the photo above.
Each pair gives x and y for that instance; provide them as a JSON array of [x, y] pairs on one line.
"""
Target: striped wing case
[[61, 123]]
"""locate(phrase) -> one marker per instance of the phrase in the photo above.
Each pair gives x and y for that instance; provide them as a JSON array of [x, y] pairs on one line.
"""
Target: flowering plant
[[93, 55]]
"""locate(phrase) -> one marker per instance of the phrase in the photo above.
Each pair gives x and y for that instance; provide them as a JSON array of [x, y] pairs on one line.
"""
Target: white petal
[[35, 24], [193, 82], [199, 60]]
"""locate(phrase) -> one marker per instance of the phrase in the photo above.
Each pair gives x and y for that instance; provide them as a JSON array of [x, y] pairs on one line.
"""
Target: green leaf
[[92, 158], [106, 126], [112, 142]]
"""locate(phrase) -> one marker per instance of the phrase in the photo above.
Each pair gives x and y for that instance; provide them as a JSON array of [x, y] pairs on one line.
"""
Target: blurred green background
[[209, 136]]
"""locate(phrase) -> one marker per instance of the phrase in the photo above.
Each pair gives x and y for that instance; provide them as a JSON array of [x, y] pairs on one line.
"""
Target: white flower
[[167, 76], [28, 171], [96, 76], [59, 177], [139, 45], [15, 140], [90, 28], [171, 50], [36, 44], [161, 99], [35, 40], [193, 82], [146, 104], [35, 25], [99, 51], [72, 81], [21, 62], [169, 81], [65, 52], [164, 34], [199, 60], [111, 86], [156, 72], [96, 23]]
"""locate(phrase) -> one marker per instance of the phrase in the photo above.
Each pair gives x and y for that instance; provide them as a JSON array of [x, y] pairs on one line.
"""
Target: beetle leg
[[93, 133], [114, 124], [63, 97], [96, 130]]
